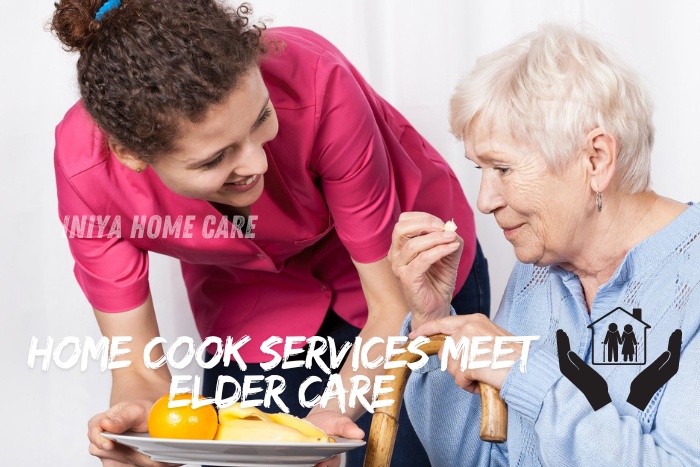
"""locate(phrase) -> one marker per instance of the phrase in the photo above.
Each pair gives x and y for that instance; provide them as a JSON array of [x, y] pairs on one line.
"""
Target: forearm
[[135, 381], [381, 329], [134, 385], [386, 313]]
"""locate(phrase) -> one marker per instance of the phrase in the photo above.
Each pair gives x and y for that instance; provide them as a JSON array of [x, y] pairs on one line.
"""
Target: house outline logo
[[604, 337]]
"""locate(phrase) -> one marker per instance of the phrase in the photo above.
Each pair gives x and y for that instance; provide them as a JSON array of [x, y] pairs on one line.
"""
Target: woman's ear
[[127, 157], [601, 158]]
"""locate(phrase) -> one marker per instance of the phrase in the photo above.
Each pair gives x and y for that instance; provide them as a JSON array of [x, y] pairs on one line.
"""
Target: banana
[[236, 412], [303, 426], [251, 424], [259, 430]]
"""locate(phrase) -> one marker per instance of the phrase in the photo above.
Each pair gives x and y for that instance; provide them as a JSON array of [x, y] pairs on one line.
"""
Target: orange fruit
[[182, 422]]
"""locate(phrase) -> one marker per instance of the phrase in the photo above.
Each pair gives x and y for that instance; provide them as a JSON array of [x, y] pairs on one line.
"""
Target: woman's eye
[[502, 170], [215, 162], [477, 167], [265, 115]]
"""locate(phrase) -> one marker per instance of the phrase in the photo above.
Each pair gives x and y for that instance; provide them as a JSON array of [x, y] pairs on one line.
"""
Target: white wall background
[[411, 51]]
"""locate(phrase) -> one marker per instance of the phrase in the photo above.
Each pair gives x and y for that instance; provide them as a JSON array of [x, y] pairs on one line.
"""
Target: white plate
[[233, 453]]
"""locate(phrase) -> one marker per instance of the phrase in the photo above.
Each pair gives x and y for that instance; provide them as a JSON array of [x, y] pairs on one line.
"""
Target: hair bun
[[74, 22]]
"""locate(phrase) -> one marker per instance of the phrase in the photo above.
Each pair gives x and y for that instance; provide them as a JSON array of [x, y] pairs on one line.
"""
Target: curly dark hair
[[149, 63]]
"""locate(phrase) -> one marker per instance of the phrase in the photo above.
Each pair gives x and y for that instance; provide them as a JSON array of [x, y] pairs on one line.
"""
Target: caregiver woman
[[188, 110]]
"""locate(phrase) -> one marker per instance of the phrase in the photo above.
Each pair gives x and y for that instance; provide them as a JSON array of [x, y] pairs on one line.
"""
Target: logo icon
[[643, 386], [619, 338]]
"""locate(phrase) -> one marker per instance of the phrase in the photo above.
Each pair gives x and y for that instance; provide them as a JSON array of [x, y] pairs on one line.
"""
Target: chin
[[239, 201], [530, 256]]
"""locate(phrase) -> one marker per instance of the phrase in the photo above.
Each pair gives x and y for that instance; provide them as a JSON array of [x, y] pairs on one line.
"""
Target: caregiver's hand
[[334, 423], [471, 326], [121, 417], [425, 258]]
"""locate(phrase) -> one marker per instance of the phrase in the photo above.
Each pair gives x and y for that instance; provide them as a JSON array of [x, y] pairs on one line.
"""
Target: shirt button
[[323, 287], [260, 256]]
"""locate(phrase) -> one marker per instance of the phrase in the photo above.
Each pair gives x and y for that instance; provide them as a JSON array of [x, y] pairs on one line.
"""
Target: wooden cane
[[385, 421]]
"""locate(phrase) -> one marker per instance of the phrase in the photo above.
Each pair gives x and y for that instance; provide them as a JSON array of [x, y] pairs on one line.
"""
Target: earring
[[598, 201]]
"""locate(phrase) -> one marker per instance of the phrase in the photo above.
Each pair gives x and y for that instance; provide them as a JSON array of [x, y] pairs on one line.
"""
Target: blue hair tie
[[108, 6]]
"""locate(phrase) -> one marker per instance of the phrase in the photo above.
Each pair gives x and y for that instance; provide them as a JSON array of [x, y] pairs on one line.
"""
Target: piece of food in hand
[[450, 226], [251, 424], [182, 422]]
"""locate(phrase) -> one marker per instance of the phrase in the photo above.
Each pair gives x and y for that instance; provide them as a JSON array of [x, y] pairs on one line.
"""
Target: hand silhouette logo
[[643, 387], [585, 378], [661, 370]]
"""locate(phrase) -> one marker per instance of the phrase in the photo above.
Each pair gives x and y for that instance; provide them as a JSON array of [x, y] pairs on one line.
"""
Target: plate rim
[[144, 436]]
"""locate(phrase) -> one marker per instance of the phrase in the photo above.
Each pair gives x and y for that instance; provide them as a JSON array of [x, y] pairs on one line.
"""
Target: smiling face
[[221, 158], [542, 212]]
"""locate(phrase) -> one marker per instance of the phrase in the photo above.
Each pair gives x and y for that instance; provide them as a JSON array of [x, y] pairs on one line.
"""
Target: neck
[[609, 235]]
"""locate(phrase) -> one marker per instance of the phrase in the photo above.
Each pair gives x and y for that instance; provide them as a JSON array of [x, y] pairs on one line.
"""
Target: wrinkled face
[[540, 211], [221, 158]]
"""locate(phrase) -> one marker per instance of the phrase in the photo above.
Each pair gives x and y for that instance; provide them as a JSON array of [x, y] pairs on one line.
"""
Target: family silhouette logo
[[619, 338]]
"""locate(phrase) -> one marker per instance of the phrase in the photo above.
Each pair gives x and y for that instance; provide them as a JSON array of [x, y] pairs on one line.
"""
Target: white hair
[[549, 89]]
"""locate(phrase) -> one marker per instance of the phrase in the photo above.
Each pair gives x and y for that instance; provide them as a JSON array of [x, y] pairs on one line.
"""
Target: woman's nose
[[490, 197], [253, 161]]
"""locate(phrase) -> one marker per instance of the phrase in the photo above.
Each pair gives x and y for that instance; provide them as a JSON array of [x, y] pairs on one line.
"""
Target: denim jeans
[[474, 297]]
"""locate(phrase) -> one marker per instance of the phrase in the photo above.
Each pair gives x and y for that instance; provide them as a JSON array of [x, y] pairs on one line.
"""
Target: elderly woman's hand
[[471, 326], [425, 258]]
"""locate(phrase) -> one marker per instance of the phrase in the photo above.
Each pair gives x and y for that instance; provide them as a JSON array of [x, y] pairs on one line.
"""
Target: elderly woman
[[562, 133]]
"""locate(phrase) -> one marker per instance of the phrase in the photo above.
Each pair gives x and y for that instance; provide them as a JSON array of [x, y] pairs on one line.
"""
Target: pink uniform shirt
[[342, 168]]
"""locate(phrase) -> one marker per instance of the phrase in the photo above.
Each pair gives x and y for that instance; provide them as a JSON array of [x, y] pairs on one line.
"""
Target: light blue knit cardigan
[[550, 422]]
